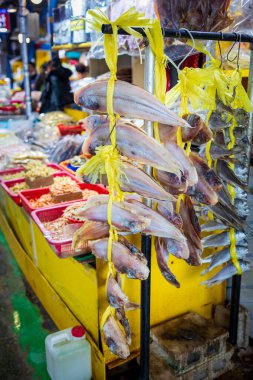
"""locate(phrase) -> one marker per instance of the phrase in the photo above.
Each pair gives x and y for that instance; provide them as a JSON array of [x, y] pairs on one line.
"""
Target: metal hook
[[228, 59], [192, 49], [239, 50]]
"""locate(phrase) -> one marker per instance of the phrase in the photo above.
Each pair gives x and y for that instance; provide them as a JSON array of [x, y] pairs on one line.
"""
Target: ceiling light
[[11, 9], [27, 40], [20, 38], [36, 1]]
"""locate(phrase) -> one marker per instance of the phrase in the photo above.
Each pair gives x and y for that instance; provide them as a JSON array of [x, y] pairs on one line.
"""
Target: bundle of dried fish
[[209, 16], [129, 101], [228, 271]]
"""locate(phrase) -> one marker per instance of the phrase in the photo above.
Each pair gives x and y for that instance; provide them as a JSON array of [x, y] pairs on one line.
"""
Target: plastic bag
[[242, 13], [202, 15], [126, 44], [65, 148]]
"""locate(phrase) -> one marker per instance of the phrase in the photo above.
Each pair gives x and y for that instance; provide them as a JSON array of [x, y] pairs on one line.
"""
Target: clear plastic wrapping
[[113, 9], [202, 15], [242, 14]]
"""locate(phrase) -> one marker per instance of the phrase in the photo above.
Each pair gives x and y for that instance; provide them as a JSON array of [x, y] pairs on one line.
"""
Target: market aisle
[[23, 324]]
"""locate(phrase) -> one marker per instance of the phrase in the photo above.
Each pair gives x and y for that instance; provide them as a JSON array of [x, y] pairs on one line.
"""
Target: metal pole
[[146, 240], [236, 280], [182, 33], [24, 55], [234, 308]]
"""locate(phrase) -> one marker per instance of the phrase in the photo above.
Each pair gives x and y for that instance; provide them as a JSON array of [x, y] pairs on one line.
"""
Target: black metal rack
[[146, 240]]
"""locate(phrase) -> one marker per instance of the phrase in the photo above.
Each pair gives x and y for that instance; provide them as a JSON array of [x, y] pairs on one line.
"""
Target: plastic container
[[17, 197], [62, 248], [26, 195], [10, 171], [68, 355], [18, 169], [69, 168], [70, 129], [8, 184]]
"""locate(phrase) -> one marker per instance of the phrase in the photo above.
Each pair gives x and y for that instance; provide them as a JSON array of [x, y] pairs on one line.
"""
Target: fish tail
[[204, 272], [210, 283], [132, 306], [206, 260]]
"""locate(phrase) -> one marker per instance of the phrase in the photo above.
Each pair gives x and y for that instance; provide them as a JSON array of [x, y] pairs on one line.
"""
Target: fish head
[[86, 97], [93, 121], [115, 339], [245, 265], [177, 249]]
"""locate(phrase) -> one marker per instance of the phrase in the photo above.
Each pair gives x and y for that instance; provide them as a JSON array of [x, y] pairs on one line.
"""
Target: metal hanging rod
[[184, 33]]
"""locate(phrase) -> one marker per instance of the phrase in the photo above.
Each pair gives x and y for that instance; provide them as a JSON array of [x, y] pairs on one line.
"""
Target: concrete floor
[[24, 324]]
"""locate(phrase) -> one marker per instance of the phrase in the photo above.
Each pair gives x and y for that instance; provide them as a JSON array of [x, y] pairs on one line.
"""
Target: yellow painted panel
[[74, 282], [75, 114], [166, 301], [83, 290], [56, 308], [20, 222]]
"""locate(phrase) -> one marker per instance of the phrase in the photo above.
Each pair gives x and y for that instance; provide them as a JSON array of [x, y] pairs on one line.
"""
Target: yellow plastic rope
[[155, 39], [107, 160]]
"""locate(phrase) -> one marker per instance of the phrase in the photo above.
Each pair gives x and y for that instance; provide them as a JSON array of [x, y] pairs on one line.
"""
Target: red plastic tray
[[7, 185], [62, 248], [26, 195], [70, 129], [17, 197], [10, 171], [57, 167]]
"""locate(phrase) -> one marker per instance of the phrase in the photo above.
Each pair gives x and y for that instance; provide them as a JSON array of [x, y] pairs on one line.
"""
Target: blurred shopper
[[82, 71], [41, 78], [32, 75], [57, 92]]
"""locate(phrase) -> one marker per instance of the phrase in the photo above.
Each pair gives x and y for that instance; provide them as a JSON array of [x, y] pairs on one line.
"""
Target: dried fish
[[129, 101], [222, 257], [218, 151], [89, 231], [135, 180], [117, 298], [115, 339], [134, 266], [213, 225], [121, 315], [227, 174], [228, 271], [208, 173], [222, 239], [133, 143], [162, 256]]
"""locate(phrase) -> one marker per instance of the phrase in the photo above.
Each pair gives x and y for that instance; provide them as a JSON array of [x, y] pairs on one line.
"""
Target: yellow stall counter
[[82, 288]]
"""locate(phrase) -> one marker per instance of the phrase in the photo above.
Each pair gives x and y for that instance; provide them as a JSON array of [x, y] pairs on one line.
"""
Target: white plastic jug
[[68, 355]]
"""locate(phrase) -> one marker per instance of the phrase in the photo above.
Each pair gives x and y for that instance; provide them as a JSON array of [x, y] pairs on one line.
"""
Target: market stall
[[148, 223]]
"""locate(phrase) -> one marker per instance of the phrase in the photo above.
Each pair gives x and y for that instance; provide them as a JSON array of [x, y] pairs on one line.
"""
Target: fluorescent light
[[3, 30], [36, 1], [20, 38], [27, 40], [11, 9]]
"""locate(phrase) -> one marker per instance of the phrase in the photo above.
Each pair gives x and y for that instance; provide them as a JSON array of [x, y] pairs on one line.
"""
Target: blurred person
[[57, 91], [32, 75], [41, 78], [82, 71]]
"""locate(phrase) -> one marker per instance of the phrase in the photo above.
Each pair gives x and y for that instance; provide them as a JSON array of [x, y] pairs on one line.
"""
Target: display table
[[74, 292]]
